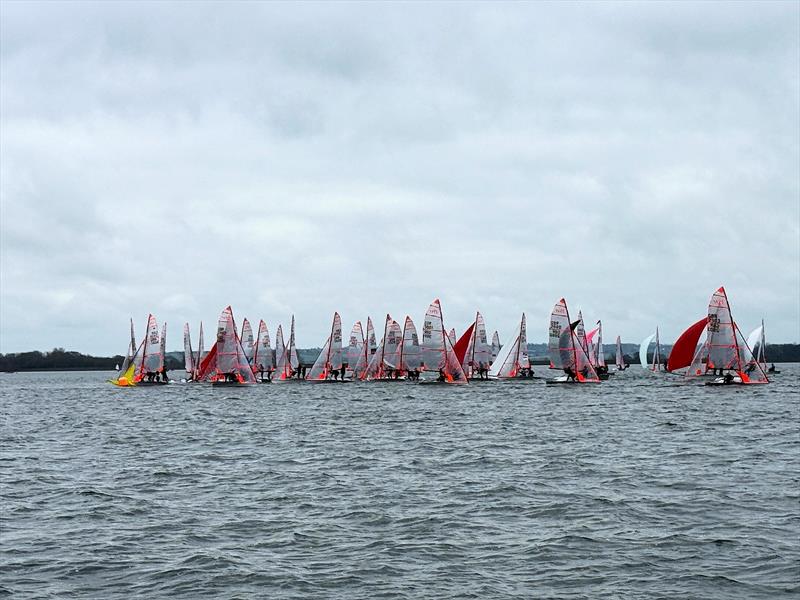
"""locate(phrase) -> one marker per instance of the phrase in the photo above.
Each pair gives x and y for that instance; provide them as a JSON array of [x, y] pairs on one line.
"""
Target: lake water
[[641, 487]]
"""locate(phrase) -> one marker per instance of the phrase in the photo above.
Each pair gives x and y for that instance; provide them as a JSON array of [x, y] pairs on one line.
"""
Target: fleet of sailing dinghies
[[725, 357]]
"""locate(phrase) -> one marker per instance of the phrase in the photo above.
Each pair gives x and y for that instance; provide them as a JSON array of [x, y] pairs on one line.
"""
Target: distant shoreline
[[59, 359]]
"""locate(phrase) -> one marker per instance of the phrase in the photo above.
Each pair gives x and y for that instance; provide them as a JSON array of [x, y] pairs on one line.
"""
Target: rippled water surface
[[641, 487]]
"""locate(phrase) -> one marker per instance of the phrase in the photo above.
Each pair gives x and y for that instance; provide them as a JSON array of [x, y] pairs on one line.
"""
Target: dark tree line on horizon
[[59, 359]]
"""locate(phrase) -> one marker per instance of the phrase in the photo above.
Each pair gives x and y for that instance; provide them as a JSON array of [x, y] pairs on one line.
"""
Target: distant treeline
[[59, 359]]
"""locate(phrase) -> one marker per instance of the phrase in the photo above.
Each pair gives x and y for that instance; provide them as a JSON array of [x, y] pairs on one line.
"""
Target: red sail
[[462, 344], [208, 364], [685, 346]]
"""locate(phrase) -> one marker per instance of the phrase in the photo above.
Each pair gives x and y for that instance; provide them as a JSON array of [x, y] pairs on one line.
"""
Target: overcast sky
[[368, 158]]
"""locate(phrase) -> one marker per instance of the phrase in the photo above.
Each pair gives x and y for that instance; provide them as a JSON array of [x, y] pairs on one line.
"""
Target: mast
[[383, 347], [474, 342]]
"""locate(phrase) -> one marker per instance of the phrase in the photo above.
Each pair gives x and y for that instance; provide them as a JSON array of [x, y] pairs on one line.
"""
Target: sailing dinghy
[[150, 363], [596, 351], [565, 349], [287, 361], [725, 351], [226, 363], [438, 353], [619, 358], [188, 353], [656, 365], [368, 349], [513, 361], [478, 357], [127, 373], [757, 343], [355, 347], [263, 362], [410, 352], [328, 366], [385, 363]]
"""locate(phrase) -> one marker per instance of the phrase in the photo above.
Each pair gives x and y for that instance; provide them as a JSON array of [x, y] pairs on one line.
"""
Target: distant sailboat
[[355, 348], [619, 357], [226, 363], [596, 351], [188, 353], [410, 351], [248, 340], [369, 348], [385, 363], [438, 353], [656, 365], [725, 350], [479, 353], [513, 360], [495, 346], [263, 361], [757, 345], [287, 361], [328, 365], [565, 349], [127, 373]]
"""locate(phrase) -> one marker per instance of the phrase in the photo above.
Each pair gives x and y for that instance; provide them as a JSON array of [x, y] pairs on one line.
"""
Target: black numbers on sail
[[427, 328], [713, 322], [555, 329]]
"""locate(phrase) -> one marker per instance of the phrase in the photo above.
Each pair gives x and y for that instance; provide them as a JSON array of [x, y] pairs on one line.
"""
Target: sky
[[302, 159]]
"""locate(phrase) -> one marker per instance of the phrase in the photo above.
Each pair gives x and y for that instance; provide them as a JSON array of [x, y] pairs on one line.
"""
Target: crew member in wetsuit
[[164, 377], [441, 375], [728, 378], [570, 373]]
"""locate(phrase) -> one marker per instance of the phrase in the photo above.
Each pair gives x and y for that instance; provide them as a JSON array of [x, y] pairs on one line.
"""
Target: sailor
[[728, 378], [570, 373], [335, 374], [441, 375], [772, 368], [164, 377]]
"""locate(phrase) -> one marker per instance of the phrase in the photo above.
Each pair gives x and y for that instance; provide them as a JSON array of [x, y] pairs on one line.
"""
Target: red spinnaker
[[462, 344], [685, 346]]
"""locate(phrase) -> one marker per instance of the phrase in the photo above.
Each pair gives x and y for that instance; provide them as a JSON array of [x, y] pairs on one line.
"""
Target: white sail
[[188, 353], [294, 359], [643, 350], [514, 355], [330, 358], [438, 353], [369, 348], [411, 356], [162, 347], [753, 341], [282, 366], [355, 345], [248, 340], [376, 369], [620, 360], [600, 359], [495, 345], [262, 353], [565, 349], [200, 356], [394, 345], [479, 353]]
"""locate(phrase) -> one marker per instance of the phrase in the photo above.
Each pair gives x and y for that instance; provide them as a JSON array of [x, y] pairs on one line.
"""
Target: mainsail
[[188, 353], [600, 356], [410, 354], [355, 346], [126, 375], [162, 347], [438, 353], [200, 349], [387, 358], [283, 367], [619, 358], [725, 348], [479, 353], [495, 345], [262, 353], [514, 355], [368, 349], [248, 340], [566, 351], [227, 358], [330, 359]]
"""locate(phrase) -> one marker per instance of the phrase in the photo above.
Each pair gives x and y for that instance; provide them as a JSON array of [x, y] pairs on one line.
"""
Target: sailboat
[[685, 347], [151, 360], [226, 363], [495, 347], [513, 361], [757, 343], [479, 354], [385, 363], [126, 373], [410, 352], [597, 352], [328, 365], [188, 353], [565, 349], [619, 359], [438, 352], [368, 349], [725, 350], [654, 366], [263, 361], [248, 340], [200, 353], [355, 347], [287, 360]]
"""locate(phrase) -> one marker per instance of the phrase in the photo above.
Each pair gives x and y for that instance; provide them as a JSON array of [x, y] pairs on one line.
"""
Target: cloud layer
[[306, 158]]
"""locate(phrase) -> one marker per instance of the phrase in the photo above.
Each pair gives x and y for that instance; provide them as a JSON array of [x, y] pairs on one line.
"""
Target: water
[[642, 487]]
